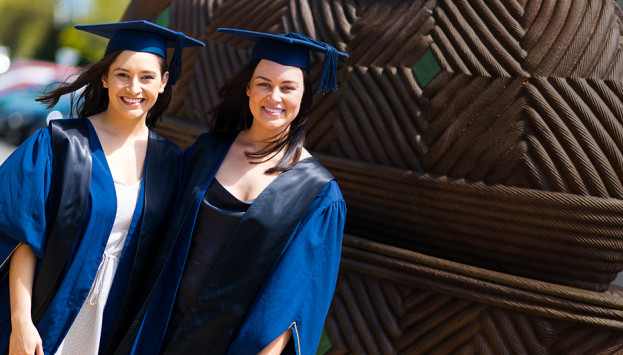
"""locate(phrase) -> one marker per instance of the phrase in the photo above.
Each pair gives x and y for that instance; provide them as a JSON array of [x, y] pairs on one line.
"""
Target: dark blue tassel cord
[[328, 79], [175, 68]]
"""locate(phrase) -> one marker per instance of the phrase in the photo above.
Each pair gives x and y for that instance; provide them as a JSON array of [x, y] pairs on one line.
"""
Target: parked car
[[33, 73], [21, 115]]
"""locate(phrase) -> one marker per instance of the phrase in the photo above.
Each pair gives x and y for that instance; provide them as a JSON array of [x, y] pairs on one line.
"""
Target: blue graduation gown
[[296, 292], [25, 179]]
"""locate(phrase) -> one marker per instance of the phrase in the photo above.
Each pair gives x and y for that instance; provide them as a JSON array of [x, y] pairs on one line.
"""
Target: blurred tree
[[32, 29], [27, 28], [92, 47]]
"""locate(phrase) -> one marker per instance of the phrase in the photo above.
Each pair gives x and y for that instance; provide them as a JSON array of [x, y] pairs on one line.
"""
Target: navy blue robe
[[298, 287], [25, 179]]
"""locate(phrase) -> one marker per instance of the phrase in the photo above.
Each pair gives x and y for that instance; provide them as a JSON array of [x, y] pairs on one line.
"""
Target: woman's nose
[[275, 94]]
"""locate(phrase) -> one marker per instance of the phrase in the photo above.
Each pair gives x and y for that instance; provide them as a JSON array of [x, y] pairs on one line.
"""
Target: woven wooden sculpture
[[479, 146]]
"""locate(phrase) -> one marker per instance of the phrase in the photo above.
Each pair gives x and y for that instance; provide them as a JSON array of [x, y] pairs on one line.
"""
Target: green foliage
[[27, 28], [92, 47], [325, 343], [30, 30]]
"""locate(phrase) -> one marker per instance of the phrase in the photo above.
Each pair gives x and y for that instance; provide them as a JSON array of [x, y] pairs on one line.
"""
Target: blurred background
[[38, 48]]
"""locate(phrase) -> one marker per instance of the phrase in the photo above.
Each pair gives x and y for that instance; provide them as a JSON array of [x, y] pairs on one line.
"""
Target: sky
[[69, 10]]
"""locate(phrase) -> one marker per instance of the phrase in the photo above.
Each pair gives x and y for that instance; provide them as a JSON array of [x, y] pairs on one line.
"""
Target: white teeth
[[132, 101], [273, 110]]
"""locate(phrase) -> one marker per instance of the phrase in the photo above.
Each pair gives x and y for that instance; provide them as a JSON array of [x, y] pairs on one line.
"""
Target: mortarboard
[[144, 36], [292, 49]]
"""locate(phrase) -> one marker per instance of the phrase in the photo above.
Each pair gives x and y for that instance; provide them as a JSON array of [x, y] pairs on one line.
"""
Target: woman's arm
[[298, 292], [25, 338]]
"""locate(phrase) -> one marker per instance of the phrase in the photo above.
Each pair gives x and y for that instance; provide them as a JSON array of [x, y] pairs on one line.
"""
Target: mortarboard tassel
[[175, 68], [328, 80]]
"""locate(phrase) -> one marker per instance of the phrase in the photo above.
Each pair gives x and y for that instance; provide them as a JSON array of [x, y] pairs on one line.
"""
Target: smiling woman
[[73, 199], [275, 94], [134, 82]]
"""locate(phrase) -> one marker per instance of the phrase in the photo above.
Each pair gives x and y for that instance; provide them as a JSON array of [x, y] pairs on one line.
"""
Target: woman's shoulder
[[160, 138], [312, 167], [38, 140], [163, 143], [330, 192], [214, 137], [209, 141], [34, 154]]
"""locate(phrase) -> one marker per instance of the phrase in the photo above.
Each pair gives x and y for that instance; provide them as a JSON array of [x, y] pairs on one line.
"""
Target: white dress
[[84, 335]]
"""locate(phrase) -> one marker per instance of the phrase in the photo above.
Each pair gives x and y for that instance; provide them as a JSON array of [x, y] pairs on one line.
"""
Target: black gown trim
[[161, 179], [246, 260], [69, 193], [207, 153]]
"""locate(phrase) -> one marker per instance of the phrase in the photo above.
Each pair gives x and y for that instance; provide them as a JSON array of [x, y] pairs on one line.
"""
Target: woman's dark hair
[[233, 114], [94, 97]]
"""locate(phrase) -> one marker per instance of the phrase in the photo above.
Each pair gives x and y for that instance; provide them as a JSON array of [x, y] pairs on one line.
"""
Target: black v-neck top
[[217, 219]]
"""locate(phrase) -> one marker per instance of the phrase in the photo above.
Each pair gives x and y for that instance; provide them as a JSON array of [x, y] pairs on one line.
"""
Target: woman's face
[[275, 92], [134, 81]]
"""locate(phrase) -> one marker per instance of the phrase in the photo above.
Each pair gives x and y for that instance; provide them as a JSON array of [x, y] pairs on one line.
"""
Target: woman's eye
[[122, 75], [266, 85], [288, 88]]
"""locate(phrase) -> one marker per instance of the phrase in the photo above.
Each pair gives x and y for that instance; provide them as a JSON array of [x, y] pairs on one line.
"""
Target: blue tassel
[[175, 68], [328, 79]]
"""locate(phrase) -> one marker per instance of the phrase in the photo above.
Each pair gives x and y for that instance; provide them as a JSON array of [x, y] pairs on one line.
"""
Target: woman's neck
[[125, 145], [119, 127], [258, 138], [246, 143]]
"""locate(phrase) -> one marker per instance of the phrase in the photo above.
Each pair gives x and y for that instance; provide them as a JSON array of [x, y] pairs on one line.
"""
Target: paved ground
[[6, 149]]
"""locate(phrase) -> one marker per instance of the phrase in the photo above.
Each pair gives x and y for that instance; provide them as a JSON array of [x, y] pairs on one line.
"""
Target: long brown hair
[[233, 114], [94, 97]]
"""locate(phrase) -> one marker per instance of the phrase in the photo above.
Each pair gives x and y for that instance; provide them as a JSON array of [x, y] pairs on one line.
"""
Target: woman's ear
[[165, 80], [105, 82]]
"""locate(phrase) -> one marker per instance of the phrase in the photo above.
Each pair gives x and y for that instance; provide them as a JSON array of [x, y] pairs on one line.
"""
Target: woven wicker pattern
[[416, 304], [528, 114], [569, 239]]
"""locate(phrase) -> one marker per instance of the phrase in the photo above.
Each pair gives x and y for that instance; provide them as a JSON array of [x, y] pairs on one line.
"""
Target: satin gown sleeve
[[298, 292], [24, 186]]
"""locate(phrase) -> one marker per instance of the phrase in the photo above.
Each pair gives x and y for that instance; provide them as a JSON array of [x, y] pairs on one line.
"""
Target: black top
[[217, 219]]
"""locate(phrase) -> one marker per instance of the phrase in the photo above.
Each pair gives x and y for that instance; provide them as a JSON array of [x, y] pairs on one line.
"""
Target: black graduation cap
[[292, 49], [144, 36]]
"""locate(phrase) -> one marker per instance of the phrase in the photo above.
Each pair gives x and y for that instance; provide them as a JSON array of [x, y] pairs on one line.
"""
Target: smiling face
[[275, 92], [134, 81]]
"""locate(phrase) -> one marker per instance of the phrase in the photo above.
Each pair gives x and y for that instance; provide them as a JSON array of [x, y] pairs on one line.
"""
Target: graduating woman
[[258, 230], [83, 201]]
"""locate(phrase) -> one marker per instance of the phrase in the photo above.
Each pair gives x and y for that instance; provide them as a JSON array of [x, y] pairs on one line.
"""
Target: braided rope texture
[[416, 304]]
